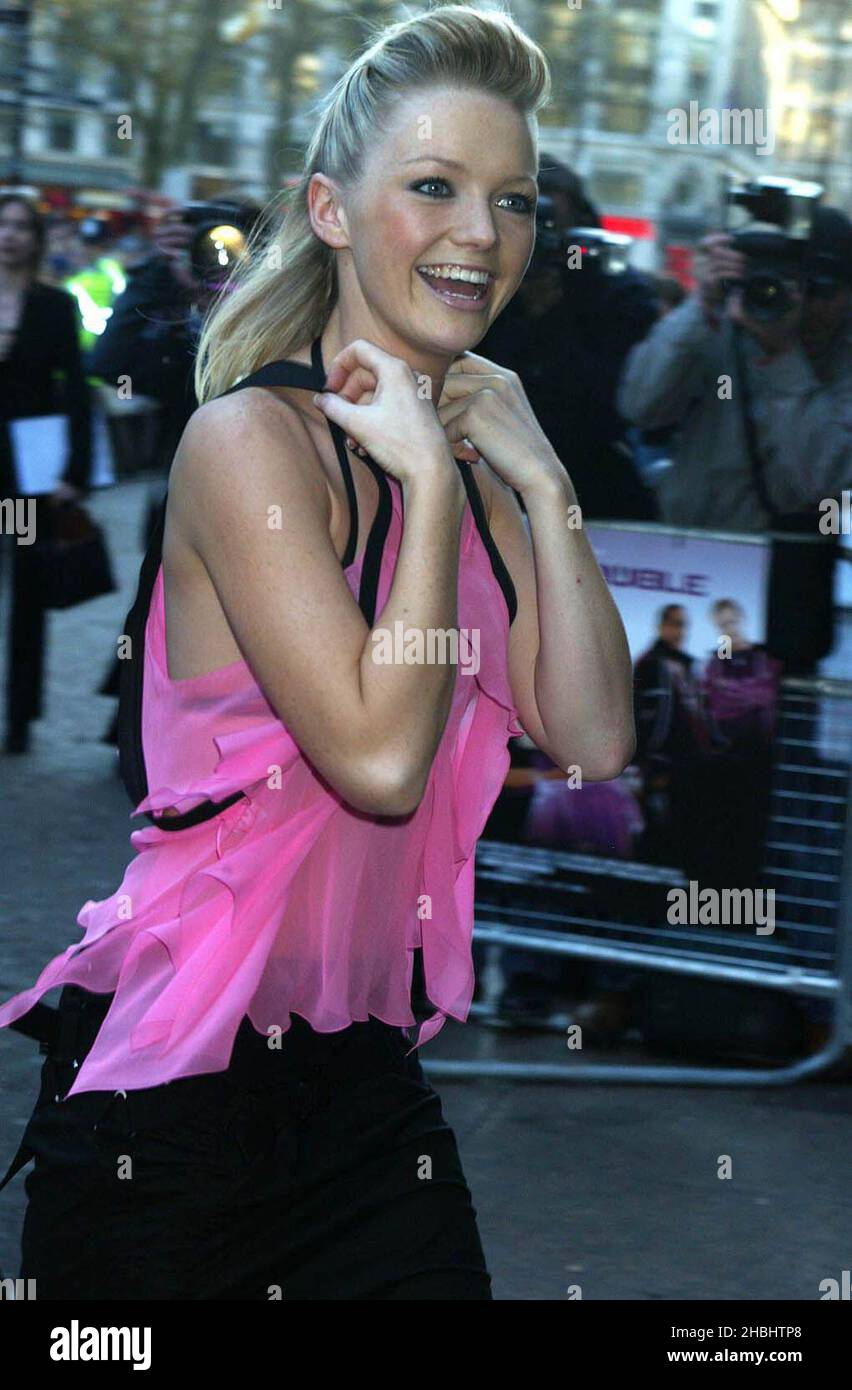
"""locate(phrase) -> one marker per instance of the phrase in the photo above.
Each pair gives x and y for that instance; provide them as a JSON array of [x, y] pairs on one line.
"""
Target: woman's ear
[[325, 209]]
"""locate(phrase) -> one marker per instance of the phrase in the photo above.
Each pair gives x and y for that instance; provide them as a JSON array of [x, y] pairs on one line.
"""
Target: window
[[61, 132], [629, 117], [611, 188], [212, 144], [630, 50]]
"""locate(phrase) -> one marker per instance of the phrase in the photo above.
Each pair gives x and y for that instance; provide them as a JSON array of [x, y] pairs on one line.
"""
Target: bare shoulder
[[240, 452]]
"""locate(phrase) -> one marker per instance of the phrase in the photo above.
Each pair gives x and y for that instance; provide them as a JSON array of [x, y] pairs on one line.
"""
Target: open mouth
[[461, 292]]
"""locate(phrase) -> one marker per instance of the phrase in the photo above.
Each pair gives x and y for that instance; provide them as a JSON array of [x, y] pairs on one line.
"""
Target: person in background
[[740, 682], [62, 251], [150, 340], [41, 373], [652, 447], [96, 282], [679, 756], [567, 334], [798, 371]]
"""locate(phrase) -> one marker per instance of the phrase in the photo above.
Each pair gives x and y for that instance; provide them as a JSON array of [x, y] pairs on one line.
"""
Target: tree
[[160, 53]]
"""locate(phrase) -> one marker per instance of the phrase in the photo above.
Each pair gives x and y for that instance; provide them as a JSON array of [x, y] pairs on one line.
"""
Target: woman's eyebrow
[[454, 164]]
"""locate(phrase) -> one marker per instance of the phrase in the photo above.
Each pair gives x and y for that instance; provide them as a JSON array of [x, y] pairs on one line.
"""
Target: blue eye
[[525, 210], [522, 198], [418, 187]]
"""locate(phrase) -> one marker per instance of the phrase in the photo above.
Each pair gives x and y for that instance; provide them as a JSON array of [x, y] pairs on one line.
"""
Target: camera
[[771, 222], [221, 238], [603, 253]]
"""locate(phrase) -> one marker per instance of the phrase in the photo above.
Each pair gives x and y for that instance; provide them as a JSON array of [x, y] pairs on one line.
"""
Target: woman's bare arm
[[247, 496]]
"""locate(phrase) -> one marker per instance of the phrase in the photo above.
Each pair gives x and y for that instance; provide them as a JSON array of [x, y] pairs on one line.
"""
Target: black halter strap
[[501, 574], [309, 378], [131, 758]]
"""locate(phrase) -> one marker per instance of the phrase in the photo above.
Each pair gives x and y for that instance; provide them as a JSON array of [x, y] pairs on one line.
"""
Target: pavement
[[614, 1188]]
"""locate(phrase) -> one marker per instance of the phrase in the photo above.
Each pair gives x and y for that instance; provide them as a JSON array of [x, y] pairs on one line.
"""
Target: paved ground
[[614, 1188]]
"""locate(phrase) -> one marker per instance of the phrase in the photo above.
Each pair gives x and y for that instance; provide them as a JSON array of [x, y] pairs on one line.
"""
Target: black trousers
[[321, 1170], [26, 633]]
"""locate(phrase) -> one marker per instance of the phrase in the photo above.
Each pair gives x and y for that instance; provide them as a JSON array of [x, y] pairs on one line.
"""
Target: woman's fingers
[[361, 353], [450, 414], [471, 362], [359, 386], [459, 387]]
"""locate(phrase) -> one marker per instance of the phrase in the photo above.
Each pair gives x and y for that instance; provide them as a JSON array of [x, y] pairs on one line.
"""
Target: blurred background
[[220, 94], [138, 146]]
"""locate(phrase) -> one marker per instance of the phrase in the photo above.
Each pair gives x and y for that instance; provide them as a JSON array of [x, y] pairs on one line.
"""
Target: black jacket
[[44, 374], [569, 360], [150, 337]]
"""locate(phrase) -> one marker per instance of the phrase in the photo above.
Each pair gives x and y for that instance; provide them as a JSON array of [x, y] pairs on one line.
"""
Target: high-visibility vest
[[95, 288]]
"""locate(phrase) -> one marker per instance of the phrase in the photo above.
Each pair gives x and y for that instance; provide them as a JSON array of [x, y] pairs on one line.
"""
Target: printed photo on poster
[[696, 796]]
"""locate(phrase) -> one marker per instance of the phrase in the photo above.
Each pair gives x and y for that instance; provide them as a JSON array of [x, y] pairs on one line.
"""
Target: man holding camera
[[762, 399], [567, 333], [152, 332]]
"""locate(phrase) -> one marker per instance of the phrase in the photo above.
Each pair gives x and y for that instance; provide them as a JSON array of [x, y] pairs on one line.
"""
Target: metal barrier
[[586, 907]]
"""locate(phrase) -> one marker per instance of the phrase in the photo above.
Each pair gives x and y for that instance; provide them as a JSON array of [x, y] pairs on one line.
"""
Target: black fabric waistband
[[253, 1060]]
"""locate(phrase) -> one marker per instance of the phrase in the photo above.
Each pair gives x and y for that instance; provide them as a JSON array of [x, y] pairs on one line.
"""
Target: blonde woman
[[315, 765]]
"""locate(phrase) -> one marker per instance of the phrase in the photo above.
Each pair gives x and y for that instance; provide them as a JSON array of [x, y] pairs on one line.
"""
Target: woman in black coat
[[41, 373]]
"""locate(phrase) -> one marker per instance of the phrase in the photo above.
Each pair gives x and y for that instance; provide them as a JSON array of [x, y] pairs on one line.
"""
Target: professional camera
[[220, 241], [771, 223], [603, 253]]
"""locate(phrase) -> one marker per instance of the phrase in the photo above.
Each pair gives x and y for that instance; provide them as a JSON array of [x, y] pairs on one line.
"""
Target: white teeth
[[455, 272]]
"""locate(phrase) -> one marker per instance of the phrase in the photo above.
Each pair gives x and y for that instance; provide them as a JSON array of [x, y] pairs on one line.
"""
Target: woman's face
[[17, 237], [451, 183]]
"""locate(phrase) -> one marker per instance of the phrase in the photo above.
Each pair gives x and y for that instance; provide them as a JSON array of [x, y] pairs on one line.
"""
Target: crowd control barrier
[[608, 910]]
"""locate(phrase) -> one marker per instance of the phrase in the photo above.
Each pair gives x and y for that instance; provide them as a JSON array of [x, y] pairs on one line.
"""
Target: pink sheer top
[[289, 900]]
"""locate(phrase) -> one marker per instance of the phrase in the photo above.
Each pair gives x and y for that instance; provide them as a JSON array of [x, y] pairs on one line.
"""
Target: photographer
[[763, 401], [567, 333], [155, 323], [152, 334]]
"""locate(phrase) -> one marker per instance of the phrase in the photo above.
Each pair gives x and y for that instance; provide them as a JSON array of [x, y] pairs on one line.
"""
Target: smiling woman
[[428, 160], [235, 1021]]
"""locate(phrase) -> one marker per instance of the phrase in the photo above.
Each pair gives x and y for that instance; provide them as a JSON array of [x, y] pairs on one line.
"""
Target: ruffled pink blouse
[[289, 901]]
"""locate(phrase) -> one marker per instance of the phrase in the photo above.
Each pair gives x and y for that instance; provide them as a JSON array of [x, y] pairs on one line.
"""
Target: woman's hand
[[487, 406], [392, 420]]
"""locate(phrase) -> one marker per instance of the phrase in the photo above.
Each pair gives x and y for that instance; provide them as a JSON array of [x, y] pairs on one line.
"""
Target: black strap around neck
[[130, 751], [755, 457], [501, 574]]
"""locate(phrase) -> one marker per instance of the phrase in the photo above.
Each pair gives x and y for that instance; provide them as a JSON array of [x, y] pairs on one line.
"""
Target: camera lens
[[214, 252], [765, 296]]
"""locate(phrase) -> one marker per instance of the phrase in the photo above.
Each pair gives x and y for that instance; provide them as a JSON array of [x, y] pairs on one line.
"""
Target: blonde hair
[[281, 296]]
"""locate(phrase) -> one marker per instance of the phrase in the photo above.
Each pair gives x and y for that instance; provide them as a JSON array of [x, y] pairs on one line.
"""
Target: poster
[[696, 796]]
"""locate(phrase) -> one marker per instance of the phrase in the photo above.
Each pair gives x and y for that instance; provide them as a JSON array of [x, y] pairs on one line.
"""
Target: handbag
[[74, 561], [800, 589]]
